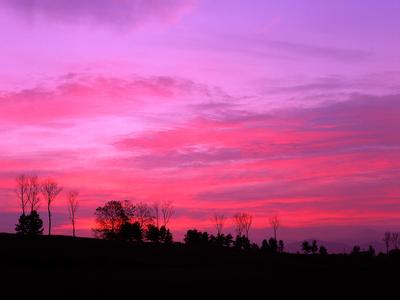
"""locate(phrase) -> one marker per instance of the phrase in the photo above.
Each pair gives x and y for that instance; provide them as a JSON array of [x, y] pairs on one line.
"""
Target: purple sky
[[269, 107]]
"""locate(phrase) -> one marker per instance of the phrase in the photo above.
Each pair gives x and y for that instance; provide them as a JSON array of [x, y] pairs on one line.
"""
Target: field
[[82, 268]]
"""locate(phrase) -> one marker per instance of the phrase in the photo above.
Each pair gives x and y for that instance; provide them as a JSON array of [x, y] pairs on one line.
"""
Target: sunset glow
[[285, 107]]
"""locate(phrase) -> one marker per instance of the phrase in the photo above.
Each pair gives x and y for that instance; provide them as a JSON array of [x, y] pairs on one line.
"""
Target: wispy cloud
[[125, 14]]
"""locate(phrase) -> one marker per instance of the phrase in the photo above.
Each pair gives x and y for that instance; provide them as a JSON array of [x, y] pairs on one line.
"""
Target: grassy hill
[[74, 268]]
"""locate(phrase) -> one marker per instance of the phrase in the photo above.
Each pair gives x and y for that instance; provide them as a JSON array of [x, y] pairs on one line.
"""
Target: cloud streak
[[125, 14]]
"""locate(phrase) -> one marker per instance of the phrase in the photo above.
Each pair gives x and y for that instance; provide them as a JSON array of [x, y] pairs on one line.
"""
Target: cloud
[[126, 14], [265, 47], [338, 157], [75, 95], [317, 51]]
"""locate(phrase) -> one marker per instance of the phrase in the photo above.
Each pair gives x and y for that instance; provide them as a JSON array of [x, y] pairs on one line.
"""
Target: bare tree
[[143, 214], [33, 193], [156, 213], [387, 239], [395, 240], [72, 202], [50, 190], [167, 211], [275, 223], [219, 221], [243, 223], [22, 191]]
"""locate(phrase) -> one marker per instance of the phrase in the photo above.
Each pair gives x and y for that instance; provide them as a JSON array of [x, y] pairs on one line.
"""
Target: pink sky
[[267, 107]]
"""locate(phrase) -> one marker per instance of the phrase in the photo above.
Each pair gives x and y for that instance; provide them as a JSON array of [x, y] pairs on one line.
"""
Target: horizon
[[287, 108]]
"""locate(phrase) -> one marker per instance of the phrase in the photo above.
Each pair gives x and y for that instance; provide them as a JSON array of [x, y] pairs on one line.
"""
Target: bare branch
[[275, 223], [50, 190], [22, 191], [143, 214], [167, 211], [243, 223], [156, 213], [219, 221], [33, 193], [72, 202]]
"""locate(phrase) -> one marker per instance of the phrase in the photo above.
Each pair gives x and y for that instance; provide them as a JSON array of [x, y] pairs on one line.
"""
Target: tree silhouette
[[395, 240], [275, 223], [72, 202], [243, 223], [387, 240], [22, 191], [131, 232], [219, 221], [306, 247], [158, 235], [356, 250], [193, 237], [165, 235], [143, 214], [281, 246], [33, 193], [153, 233], [30, 224], [167, 211], [111, 217], [371, 251], [242, 242], [323, 250], [228, 240], [273, 245], [156, 213], [50, 190], [314, 247]]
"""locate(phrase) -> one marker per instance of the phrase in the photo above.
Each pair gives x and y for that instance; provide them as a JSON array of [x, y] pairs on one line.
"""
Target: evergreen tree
[[30, 224]]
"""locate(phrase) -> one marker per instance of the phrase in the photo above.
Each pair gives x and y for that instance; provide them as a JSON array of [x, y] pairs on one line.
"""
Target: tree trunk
[[23, 206], [73, 227], [275, 234], [48, 209]]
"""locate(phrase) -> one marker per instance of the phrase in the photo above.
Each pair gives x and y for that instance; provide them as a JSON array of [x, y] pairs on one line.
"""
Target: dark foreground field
[[66, 268]]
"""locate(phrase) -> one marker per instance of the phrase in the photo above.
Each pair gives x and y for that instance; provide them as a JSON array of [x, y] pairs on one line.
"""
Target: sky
[[287, 108]]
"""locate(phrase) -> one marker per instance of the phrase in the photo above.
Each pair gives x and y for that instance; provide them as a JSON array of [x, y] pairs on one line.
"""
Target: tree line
[[30, 192], [138, 222]]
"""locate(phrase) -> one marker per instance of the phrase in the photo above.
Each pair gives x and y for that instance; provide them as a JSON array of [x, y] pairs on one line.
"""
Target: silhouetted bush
[[111, 217], [306, 247], [371, 251], [30, 224], [131, 232], [194, 237], [356, 250], [158, 235], [281, 246], [221, 240], [314, 247], [242, 242], [323, 251]]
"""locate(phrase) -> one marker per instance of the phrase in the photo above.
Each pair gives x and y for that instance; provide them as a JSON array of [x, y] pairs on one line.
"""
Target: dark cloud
[[119, 14]]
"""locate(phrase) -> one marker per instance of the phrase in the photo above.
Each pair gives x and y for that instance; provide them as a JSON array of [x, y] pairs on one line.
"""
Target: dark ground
[[60, 267]]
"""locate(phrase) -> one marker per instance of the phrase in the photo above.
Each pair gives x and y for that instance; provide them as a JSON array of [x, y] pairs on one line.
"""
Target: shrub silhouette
[[356, 250], [158, 235], [131, 232], [314, 247], [193, 237], [111, 217], [221, 240], [272, 246], [323, 251], [306, 247], [281, 246], [242, 242], [30, 224]]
